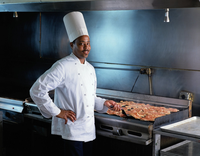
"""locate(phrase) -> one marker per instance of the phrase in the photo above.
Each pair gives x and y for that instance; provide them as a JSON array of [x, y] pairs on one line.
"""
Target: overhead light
[[15, 15], [166, 15]]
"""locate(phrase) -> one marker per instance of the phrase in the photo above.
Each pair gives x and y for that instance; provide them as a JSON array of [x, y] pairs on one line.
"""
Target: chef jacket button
[[87, 105], [81, 84], [75, 63], [84, 94], [87, 116], [78, 73]]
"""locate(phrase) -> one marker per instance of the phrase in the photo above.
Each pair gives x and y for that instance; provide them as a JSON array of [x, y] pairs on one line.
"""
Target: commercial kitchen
[[143, 51]]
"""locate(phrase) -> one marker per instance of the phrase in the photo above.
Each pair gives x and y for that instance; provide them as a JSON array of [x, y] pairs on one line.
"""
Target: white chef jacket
[[75, 89]]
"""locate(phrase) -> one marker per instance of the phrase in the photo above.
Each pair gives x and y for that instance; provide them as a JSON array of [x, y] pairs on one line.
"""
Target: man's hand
[[112, 105], [65, 114]]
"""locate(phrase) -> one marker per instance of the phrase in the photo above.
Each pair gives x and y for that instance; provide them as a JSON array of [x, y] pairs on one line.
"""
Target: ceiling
[[85, 5]]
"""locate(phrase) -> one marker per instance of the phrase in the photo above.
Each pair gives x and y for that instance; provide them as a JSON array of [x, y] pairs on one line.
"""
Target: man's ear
[[71, 45]]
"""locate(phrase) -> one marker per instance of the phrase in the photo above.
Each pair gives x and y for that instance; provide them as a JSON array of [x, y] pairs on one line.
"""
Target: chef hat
[[75, 25]]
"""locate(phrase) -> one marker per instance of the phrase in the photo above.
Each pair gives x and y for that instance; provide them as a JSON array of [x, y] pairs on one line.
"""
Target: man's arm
[[112, 105]]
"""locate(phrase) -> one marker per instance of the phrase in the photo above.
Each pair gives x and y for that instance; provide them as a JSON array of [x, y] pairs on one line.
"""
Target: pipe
[[149, 72], [1, 132], [150, 85]]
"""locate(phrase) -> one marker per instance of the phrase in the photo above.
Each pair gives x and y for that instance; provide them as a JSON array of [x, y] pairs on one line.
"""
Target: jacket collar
[[77, 59]]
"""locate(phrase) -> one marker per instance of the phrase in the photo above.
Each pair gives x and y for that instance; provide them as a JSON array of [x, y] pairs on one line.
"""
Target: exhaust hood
[[87, 5]]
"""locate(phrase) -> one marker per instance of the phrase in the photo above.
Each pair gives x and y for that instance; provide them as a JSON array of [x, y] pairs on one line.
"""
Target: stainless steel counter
[[188, 127], [159, 132], [1, 133], [185, 148]]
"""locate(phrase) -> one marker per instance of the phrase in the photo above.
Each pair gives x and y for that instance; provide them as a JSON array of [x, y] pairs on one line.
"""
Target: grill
[[133, 130], [127, 129]]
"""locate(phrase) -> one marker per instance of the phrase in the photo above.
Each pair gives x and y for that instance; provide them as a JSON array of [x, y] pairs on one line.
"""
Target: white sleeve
[[99, 105], [99, 102], [45, 83]]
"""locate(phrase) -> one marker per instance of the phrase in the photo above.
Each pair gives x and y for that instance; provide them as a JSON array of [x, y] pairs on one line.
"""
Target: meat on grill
[[145, 112]]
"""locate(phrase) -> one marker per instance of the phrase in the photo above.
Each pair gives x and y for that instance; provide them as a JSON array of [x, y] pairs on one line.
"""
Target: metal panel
[[44, 6], [54, 39], [142, 38], [185, 148], [11, 105], [122, 43], [18, 1], [188, 127], [1, 133], [142, 98]]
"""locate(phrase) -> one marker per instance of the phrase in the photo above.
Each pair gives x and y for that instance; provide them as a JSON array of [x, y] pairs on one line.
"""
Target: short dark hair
[[74, 41]]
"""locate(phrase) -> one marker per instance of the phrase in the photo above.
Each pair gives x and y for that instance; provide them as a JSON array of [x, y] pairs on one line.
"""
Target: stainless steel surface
[[185, 148], [187, 127], [163, 46], [54, 6], [169, 134], [157, 133], [170, 102], [124, 129], [109, 126], [31, 108], [11, 105], [156, 144], [130, 139], [12, 110], [1, 133]]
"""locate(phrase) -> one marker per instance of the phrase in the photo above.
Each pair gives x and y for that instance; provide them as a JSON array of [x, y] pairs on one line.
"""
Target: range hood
[[86, 5]]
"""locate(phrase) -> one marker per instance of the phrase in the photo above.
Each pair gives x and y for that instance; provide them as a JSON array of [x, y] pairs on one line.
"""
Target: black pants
[[78, 148]]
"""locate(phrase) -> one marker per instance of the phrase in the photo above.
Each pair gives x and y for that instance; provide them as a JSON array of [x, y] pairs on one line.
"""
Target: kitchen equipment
[[126, 129], [12, 110], [185, 148], [133, 130], [188, 127]]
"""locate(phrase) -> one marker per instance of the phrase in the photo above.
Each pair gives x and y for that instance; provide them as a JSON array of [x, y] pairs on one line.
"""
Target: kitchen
[[125, 37]]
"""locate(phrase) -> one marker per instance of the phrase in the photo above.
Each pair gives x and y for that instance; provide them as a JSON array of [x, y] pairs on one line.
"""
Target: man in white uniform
[[74, 82]]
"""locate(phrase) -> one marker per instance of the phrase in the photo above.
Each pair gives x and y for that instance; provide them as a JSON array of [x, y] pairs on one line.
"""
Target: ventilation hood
[[86, 5]]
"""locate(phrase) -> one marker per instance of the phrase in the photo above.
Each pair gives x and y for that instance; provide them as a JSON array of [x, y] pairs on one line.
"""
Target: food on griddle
[[118, 113], [148, 117], [173, 109], [141, 111]]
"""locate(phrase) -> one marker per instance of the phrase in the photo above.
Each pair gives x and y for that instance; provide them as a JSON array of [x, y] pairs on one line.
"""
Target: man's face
[[81, 48]]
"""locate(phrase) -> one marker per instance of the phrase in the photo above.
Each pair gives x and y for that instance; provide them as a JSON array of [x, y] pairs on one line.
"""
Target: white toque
[[75, 25]]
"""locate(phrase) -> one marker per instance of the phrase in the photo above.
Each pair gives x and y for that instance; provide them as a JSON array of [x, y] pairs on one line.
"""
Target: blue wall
[[122, 43]]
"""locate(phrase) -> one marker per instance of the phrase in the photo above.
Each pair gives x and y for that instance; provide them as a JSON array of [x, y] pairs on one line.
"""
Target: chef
[[74, 81]]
